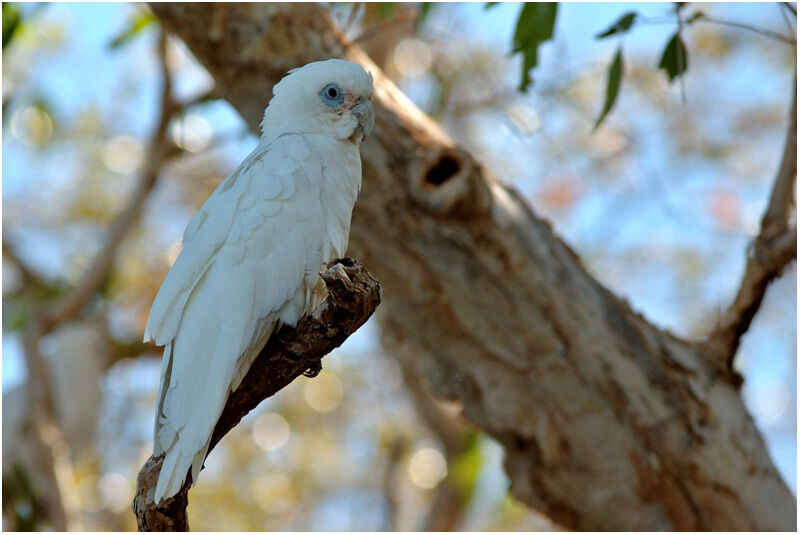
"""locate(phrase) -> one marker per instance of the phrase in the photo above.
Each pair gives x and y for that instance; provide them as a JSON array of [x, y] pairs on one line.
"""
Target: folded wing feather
[[245, 265]]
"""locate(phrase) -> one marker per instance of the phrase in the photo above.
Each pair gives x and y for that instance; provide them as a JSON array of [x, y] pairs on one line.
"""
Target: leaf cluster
[[674, 58], [535, 26]]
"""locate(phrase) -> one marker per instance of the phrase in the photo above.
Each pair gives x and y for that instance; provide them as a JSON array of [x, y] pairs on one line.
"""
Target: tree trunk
[[608, 423]]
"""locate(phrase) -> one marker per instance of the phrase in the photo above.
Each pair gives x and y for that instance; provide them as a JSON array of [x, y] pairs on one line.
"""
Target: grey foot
[[314, 369]]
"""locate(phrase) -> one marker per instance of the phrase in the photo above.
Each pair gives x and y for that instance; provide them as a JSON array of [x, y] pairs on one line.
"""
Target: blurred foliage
[[424, 11], [466, 468], [535, 25], [20, 502], [660, 203], [385, 9], [138, 22], [11, 22]]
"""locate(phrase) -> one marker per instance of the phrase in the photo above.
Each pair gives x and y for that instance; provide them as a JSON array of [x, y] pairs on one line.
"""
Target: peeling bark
[[608, 423]]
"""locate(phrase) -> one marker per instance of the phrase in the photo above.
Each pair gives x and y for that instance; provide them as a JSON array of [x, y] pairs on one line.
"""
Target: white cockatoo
[[251, 256]]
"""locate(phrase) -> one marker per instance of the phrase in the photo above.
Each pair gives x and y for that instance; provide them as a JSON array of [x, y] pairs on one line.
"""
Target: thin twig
[[765, 33], [681, 66], [790, 7], [789, 25], [202, 98], [772, 250]]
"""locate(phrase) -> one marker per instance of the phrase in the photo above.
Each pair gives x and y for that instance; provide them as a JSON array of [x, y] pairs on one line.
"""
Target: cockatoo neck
[[278, 122]]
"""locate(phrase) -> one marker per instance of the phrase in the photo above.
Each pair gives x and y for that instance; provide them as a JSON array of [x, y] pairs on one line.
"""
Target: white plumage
[[251, 255]]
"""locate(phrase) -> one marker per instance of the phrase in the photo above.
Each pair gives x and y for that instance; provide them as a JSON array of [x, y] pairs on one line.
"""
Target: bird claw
[[313, 370]]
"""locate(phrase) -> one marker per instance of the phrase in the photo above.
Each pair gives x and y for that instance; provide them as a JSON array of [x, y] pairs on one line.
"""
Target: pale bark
[[607, 422]]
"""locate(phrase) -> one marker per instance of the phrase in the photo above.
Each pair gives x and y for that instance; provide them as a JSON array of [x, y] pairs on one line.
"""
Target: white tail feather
[[172, 475]]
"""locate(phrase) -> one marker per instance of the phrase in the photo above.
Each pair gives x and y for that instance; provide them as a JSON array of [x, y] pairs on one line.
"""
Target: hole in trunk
[[446, 167]]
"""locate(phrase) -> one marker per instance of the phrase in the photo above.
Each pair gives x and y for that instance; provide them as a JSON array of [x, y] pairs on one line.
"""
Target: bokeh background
[[661, 203]]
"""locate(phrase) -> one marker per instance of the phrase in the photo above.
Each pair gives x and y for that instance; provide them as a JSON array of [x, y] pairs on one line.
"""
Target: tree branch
[[771, 251], [353, 295]]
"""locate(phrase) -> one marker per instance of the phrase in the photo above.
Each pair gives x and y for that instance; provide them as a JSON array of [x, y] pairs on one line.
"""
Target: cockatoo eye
[[332, 96]]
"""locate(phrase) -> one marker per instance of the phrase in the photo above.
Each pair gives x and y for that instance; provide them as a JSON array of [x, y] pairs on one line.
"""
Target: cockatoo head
[[331, 98]]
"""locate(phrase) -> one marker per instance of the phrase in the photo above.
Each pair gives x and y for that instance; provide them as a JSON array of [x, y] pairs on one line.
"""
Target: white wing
[[249, 256]]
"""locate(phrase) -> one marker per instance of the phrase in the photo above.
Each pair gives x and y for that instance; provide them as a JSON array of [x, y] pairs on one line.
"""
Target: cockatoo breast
[[337, 190]]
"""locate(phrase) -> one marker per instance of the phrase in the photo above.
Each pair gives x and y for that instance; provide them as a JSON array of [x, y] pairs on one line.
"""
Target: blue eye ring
[[332, 95]]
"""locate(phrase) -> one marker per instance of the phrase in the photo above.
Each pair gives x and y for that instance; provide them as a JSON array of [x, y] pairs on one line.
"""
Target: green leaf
[[615, 72], [534, 27], [139, 22], [622, 25], [11, 22], [490, 5], [675, 59]]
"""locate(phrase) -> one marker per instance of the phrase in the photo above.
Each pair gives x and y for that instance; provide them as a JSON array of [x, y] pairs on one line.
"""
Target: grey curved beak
[[366, 118]]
